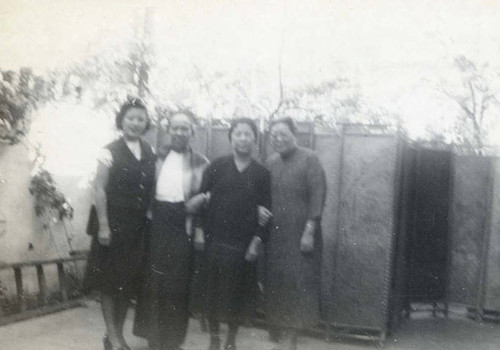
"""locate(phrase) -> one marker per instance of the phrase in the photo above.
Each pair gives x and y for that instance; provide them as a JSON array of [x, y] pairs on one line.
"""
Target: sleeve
[[207, 182], [316, 187], [208, 178], [105, 157], [264, 199]]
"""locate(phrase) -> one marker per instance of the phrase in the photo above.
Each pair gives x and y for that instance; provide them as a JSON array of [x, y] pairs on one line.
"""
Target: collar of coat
[[194, 164]]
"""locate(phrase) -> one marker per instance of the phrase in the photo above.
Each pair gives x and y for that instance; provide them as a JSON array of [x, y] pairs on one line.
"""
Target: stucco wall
[[23, 238]]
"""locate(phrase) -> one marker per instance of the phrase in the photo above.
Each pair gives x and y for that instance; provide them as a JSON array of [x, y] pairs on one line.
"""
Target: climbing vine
[[48, 197]]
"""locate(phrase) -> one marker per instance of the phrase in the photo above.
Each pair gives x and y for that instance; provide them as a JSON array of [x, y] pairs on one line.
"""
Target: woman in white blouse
[[162, 311]]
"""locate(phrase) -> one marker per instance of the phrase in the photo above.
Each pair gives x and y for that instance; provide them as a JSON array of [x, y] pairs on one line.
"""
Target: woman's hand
[[307, 240], [104, 235], [264, 215], [195, 203], [189, 225], [253, 249], [199, 239], [101, 181]]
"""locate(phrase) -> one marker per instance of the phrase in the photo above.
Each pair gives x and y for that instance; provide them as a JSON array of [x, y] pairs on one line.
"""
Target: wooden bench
[[43, 306]]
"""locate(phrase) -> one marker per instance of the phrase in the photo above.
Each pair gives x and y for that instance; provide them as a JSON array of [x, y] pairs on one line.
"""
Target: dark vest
[[130, 184]]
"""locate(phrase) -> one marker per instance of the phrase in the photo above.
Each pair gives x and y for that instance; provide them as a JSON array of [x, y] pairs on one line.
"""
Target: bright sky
[[395, 50]]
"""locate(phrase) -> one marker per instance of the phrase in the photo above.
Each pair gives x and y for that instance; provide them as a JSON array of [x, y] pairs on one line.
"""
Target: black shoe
[[108, 346]]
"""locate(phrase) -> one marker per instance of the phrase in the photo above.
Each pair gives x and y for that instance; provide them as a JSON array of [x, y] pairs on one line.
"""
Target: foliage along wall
[[21, 233]]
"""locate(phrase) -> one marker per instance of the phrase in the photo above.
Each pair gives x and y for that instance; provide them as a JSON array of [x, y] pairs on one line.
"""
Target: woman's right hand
[[199, 239], [104, 236], [264, 215]]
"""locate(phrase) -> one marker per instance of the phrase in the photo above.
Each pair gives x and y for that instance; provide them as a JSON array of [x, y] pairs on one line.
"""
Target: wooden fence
[[43, 304]]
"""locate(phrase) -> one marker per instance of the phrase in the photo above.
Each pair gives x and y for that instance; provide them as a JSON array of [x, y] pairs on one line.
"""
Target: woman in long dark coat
[[238, 185], [124, 182], [293, 252], [162, 311]]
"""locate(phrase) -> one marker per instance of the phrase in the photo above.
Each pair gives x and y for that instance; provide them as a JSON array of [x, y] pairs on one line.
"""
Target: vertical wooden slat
[[42, 285], [62, 281], [469, 232], [19, 287]]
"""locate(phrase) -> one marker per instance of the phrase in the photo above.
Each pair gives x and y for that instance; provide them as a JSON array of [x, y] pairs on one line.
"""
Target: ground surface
[[82, 328]]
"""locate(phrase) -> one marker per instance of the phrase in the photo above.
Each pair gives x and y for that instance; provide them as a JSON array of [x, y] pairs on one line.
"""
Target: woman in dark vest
[[124, 183], [162, 311]]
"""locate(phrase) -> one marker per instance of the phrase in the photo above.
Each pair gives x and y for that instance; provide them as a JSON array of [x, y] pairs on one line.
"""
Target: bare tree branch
[[280, 102], [473, 98], [484, 107], [206, 85]]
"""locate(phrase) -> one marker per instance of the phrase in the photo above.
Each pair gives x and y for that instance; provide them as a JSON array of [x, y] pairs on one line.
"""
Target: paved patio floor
[[82, 328]]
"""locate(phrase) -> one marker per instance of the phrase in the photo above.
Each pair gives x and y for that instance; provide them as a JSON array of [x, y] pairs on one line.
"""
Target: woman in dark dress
[[237, 185], [293, 252], [162, 311], [124, 183]]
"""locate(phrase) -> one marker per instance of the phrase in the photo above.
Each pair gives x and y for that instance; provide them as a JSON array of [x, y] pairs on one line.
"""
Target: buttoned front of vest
[[131, 180]]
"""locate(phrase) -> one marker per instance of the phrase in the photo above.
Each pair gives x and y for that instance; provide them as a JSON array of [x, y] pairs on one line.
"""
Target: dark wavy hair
[[248, 121], [288, 121], [129, 104]]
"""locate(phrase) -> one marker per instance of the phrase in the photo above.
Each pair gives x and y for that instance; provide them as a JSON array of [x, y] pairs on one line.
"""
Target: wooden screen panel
[[492, 297], [328, 148], [428, 241], [365, 237], [405, 187], [468, 227], [199, 140], [220, 145]]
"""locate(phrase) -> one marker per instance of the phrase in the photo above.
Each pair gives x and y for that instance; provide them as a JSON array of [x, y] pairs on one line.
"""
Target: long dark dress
[[298, 188], [162, 312], [116, 268], [230, 224]]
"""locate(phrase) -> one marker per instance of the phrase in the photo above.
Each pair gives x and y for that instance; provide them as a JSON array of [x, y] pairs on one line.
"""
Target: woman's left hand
[[307, 240], [253, 250]]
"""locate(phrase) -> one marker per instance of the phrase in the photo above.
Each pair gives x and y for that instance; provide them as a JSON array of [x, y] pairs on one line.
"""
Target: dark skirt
[[231, 285], [162, 310], [116, 268]]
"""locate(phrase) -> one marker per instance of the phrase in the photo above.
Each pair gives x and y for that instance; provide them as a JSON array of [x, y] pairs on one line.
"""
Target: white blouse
[[170, 183], [106, 158]]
